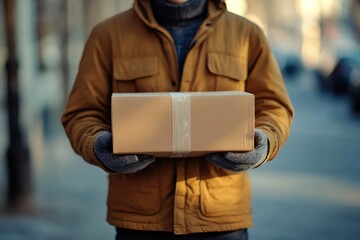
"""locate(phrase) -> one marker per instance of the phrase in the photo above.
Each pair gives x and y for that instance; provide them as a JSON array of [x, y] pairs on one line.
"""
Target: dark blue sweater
[[182, 21]]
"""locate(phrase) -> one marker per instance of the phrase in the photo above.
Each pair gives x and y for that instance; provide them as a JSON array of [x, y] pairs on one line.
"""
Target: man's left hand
[[242, 161]]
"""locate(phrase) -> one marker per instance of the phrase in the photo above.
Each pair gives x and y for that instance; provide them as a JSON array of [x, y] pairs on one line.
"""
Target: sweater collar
[[144, 11], [170, 12]]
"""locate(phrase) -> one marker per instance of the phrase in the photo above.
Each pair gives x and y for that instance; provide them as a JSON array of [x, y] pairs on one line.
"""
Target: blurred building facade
[[50, 35], [303, 26]]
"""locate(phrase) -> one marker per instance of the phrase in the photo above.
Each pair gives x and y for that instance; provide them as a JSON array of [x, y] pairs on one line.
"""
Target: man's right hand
[[118, 163]]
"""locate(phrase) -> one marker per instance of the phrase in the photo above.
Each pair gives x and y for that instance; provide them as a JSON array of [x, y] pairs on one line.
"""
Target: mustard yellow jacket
[[130, 52]]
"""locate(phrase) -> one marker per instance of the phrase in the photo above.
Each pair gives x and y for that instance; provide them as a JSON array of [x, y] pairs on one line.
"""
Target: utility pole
[[18, 162], [64, 41]]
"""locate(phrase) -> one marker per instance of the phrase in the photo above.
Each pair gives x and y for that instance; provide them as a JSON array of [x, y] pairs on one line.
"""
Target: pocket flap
[[228, 66], [135, 67]]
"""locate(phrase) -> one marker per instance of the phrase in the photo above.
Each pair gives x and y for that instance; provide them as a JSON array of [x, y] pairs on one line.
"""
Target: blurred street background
[[310, 191]]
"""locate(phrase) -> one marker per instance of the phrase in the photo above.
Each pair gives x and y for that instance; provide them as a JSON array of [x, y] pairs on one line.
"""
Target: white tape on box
[[181, 124]]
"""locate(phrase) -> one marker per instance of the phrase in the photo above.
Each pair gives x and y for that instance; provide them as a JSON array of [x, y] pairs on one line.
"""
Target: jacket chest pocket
[[135, 74], [230, 72]]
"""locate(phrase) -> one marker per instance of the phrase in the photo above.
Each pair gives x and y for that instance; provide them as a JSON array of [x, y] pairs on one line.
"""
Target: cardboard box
[[182, 124]]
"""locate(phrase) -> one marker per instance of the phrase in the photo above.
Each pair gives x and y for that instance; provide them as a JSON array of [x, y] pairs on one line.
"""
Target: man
[[169, 46]]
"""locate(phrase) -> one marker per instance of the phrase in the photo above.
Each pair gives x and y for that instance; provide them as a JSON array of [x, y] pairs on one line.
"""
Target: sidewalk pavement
[[69, 199]]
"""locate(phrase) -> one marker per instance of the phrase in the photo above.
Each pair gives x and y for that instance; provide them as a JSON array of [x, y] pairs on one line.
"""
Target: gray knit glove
[[241, 161], [118, 163]]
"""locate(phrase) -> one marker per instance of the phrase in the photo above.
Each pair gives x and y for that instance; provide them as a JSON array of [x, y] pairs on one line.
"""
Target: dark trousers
[[126, 234]]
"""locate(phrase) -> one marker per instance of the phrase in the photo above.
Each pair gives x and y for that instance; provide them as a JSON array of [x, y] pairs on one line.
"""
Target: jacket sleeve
[[273, 108], [87, 111]]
